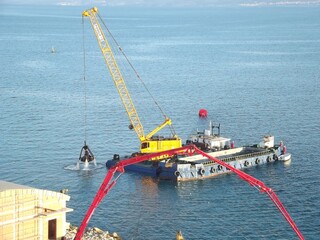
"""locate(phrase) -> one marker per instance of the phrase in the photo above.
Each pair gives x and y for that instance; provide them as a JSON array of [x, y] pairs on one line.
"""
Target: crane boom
[[109, 182], [166, 122], [149, 143], [115, 72]]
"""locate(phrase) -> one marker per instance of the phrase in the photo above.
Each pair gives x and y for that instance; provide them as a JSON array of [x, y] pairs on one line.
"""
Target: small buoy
[[179, 235], [203, 113]]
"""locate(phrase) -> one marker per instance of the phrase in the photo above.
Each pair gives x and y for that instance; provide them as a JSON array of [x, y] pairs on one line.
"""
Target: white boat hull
[[285, 157]]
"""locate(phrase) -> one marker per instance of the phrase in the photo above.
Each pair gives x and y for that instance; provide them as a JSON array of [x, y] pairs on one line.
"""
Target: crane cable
[[84, 82], [137, 74]]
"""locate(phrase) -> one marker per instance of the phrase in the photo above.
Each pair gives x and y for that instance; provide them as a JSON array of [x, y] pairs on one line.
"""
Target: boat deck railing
[[241, 156]]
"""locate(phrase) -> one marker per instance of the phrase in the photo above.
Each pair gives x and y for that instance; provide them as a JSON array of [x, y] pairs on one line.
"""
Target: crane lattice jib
[[115, 72]]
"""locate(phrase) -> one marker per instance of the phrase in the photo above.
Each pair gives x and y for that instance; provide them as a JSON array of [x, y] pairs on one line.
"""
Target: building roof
[[8, 186]]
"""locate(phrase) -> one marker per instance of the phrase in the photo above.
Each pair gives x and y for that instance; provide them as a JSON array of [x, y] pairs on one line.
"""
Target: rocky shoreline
[[95, 233], [91, 234]]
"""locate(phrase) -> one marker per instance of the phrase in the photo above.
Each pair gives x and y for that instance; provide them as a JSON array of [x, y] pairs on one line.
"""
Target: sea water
[[255, 69]]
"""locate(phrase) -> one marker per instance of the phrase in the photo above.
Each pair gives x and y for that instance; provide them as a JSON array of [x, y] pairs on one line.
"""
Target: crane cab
[[158, 144]]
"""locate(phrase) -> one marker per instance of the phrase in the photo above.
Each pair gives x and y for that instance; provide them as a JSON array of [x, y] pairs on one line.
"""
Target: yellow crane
[[149, 143]]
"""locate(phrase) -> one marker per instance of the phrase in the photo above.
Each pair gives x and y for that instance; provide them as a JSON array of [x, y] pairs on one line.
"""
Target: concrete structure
[[30, 213]]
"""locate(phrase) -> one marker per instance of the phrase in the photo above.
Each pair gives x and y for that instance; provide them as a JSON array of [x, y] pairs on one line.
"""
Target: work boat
[[184, 168]]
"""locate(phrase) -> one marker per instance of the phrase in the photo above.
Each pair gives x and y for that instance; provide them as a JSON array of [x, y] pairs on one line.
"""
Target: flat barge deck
[[185, 168]]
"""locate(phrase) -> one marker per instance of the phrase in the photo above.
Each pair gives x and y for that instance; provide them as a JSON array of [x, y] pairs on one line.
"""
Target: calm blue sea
[[256, 70]]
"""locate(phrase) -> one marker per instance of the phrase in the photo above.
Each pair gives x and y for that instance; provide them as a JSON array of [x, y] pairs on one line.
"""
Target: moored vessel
[[184, 168]]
